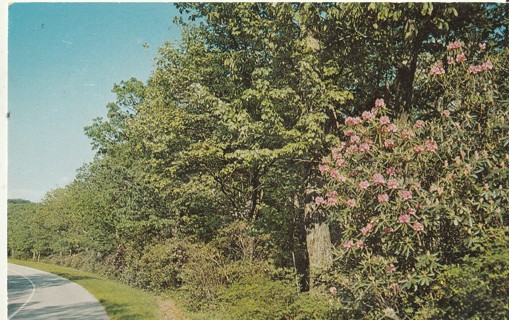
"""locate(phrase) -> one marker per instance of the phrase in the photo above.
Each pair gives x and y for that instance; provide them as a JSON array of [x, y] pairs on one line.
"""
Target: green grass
[[119, 300]]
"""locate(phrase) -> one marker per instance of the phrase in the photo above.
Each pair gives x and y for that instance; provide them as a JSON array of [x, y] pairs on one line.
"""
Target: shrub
[[157, 267], [478, 287], [256, 297], [411, 196]]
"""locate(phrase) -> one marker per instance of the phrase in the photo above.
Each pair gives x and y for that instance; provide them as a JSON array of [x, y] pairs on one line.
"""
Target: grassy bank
[[119, 300]]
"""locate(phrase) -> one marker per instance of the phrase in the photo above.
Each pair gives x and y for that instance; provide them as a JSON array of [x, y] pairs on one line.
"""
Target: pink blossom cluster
[[407, 133], [384, 120], [454, 45], [383, 198], [390, 171], [336, 175], [391, 128], [392, 184], [368, 115], [461, 58], [389, 143], [350, 244], [330, 201], [367, 229], [404, 219], [418, 124], [378, 179], [379, 103], [429, 145], [418, 227], [364, 184], [353, 121], [406, 194], [437, 69], [488, 65], [390, 268]]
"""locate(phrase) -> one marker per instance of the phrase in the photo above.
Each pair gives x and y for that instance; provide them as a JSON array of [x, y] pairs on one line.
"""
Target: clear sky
[[63, 61]]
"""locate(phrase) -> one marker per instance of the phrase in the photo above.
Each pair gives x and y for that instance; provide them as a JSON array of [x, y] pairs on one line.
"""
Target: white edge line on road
[[29, 298]]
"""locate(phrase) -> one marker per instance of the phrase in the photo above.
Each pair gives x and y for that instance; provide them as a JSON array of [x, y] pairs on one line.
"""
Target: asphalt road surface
[[35, 294]]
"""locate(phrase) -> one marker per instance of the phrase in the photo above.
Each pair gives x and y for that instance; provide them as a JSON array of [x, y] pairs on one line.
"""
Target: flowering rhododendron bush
[[412, 195]]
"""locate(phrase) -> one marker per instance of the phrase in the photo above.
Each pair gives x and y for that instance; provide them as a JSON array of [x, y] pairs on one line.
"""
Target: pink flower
[[333, 290], [336, 153], [348, 245], [383, 198], [461, 58], [360, 244], [364, 184], [392, 128], [431, 146], [404, 219], [367, 115], [323, 168], [389, 143], [367, 229], [364, 147], [348, 132], [337, 176], [406, 195], [378, 179], [418, 149], [331, 201], [390, 268], [379, 103], [418, 124], [437, 70], [355, 139], [392, 184], [482, 46], [351, 203], [390, 171], [319, 200], [487, 65], [352, 149], [384, 120], [411, 211], [418, 227], [353, 121], [395, 286], [446, 113], [350, 121], [332, 194], [388, 230], [450, 60], [454, 46], [405, 133], [340, 162]]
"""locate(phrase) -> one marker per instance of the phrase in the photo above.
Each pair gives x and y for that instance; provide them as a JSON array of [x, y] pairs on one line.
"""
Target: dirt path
[[35, 294]]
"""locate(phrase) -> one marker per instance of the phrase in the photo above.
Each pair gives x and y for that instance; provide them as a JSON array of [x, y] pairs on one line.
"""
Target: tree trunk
[[318, 239], [319, 246]]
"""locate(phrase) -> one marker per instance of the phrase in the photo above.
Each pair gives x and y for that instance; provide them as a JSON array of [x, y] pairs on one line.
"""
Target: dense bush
[[478, 287], [157, 267], [413, 196]]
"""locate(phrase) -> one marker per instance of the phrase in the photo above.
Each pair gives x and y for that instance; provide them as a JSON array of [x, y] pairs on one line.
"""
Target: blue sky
[[63, 61]]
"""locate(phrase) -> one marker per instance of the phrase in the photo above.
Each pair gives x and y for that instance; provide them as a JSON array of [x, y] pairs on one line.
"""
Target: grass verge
[[119, 300]]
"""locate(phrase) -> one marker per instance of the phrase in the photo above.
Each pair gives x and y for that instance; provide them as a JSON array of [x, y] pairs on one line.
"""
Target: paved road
[[35, 294]]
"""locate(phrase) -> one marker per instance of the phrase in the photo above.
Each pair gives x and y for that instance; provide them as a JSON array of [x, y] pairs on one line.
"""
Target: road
[[35, 294]]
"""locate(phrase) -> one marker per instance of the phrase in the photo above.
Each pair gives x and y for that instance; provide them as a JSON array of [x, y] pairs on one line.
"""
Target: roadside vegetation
[[119, 300], [301, 161]]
